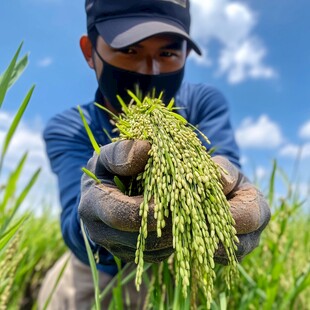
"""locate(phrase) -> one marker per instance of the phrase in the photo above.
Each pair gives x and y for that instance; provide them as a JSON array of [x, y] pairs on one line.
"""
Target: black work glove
[[112, 218], [248, 206]]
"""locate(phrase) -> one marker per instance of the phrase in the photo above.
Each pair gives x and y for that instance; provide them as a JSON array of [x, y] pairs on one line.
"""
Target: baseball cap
[[122, 23]]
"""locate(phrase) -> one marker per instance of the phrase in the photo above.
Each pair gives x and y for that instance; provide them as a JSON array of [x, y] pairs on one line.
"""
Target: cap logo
[[179, 2]]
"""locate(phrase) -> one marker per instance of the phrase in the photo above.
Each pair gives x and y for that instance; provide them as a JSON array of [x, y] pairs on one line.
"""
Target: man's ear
[[87, 50]]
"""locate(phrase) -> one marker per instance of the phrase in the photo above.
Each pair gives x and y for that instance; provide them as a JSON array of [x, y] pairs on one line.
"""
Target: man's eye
[[167, 54], [127, 50]]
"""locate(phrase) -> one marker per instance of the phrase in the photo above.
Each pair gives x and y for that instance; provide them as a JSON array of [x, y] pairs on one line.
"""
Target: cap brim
[[122, 32]]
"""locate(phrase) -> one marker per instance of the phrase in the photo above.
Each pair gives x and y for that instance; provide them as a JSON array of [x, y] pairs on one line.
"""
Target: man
[[130, 44]]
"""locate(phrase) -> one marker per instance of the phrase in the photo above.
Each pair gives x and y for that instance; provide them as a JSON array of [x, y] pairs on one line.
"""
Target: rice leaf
[[170, 105], [18, 70], [272, 183], [89, 132], [117, 291], [133, 96], [93, 268], [8, 235], [90, 174], [179, 117], [123, 104], [7, 76], [59, 276], [223, 301], [302, 282], [106, 110], [10, 187], [14, 125], [120, 185], [21, 198]]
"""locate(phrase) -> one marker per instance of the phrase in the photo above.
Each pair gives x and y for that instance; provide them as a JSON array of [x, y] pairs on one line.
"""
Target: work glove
[[248, 207], [112, 218]]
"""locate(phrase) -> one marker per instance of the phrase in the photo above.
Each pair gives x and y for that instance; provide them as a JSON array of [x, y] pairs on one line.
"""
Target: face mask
[[116, 81]]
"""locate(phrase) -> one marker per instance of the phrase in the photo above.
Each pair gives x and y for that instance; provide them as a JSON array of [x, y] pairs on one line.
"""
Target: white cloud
[[28, 138], [203, 60], [296, 151], [304, 131], [244, 61], [244, 160], [261, 172], [45, 62], [302, 191], [262, 133], [221, 20], [303, 188], [231, 24]]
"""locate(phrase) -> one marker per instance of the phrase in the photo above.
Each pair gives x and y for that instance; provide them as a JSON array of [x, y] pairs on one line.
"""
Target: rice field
[[276, 275]]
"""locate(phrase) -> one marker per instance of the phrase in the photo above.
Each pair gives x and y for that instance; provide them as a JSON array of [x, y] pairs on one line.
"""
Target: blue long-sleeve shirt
[[69, 149]]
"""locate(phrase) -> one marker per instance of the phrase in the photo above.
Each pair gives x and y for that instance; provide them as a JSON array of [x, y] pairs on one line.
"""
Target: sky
[[257, 53]]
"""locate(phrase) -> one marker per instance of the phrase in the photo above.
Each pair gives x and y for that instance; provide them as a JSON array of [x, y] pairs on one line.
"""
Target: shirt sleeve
[[206, 108], [69, 149]]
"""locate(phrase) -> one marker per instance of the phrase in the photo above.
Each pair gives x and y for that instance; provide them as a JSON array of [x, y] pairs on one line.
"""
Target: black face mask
[[116, 81]]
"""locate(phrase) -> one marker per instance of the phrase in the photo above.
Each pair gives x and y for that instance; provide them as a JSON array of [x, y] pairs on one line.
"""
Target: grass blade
[[8, 235], [134, 97], [120, 185], [93, 268], [91, 175], [223, 301], [6, 78], [18, 70], [272, 183], [106, 110], [117, 291], [251, 282], [63, 268], [89, 132], [14, 125], [170, 105], [301, 283], [123, 104], [125, 280], [21, 198], [10, 187]]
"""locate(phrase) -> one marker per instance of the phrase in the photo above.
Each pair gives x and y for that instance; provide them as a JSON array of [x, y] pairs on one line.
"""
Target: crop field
[[276, 275]]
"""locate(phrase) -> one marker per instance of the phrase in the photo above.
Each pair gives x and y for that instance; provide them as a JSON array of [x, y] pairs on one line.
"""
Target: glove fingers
[[156, 249], [129, 254], [125, 157], [229, 173], [249, 209], [120, 211], [123, 244]]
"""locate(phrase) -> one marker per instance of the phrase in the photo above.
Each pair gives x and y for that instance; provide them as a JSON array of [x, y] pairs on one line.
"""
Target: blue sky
[[255, 52]]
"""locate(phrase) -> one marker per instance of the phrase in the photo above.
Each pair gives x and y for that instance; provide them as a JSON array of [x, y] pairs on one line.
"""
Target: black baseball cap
[[122, 23]]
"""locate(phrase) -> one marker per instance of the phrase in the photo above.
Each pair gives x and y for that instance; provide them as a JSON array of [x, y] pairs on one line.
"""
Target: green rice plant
[[276, 275], [182, 191], [10, 197], [21, 246], [185, 185]]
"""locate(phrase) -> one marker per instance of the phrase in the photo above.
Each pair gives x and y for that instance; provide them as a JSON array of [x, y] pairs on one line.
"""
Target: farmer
[[133, 44]]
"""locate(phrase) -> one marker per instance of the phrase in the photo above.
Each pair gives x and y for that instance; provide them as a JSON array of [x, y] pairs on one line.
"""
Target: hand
[[248, 206], [112, 218]]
